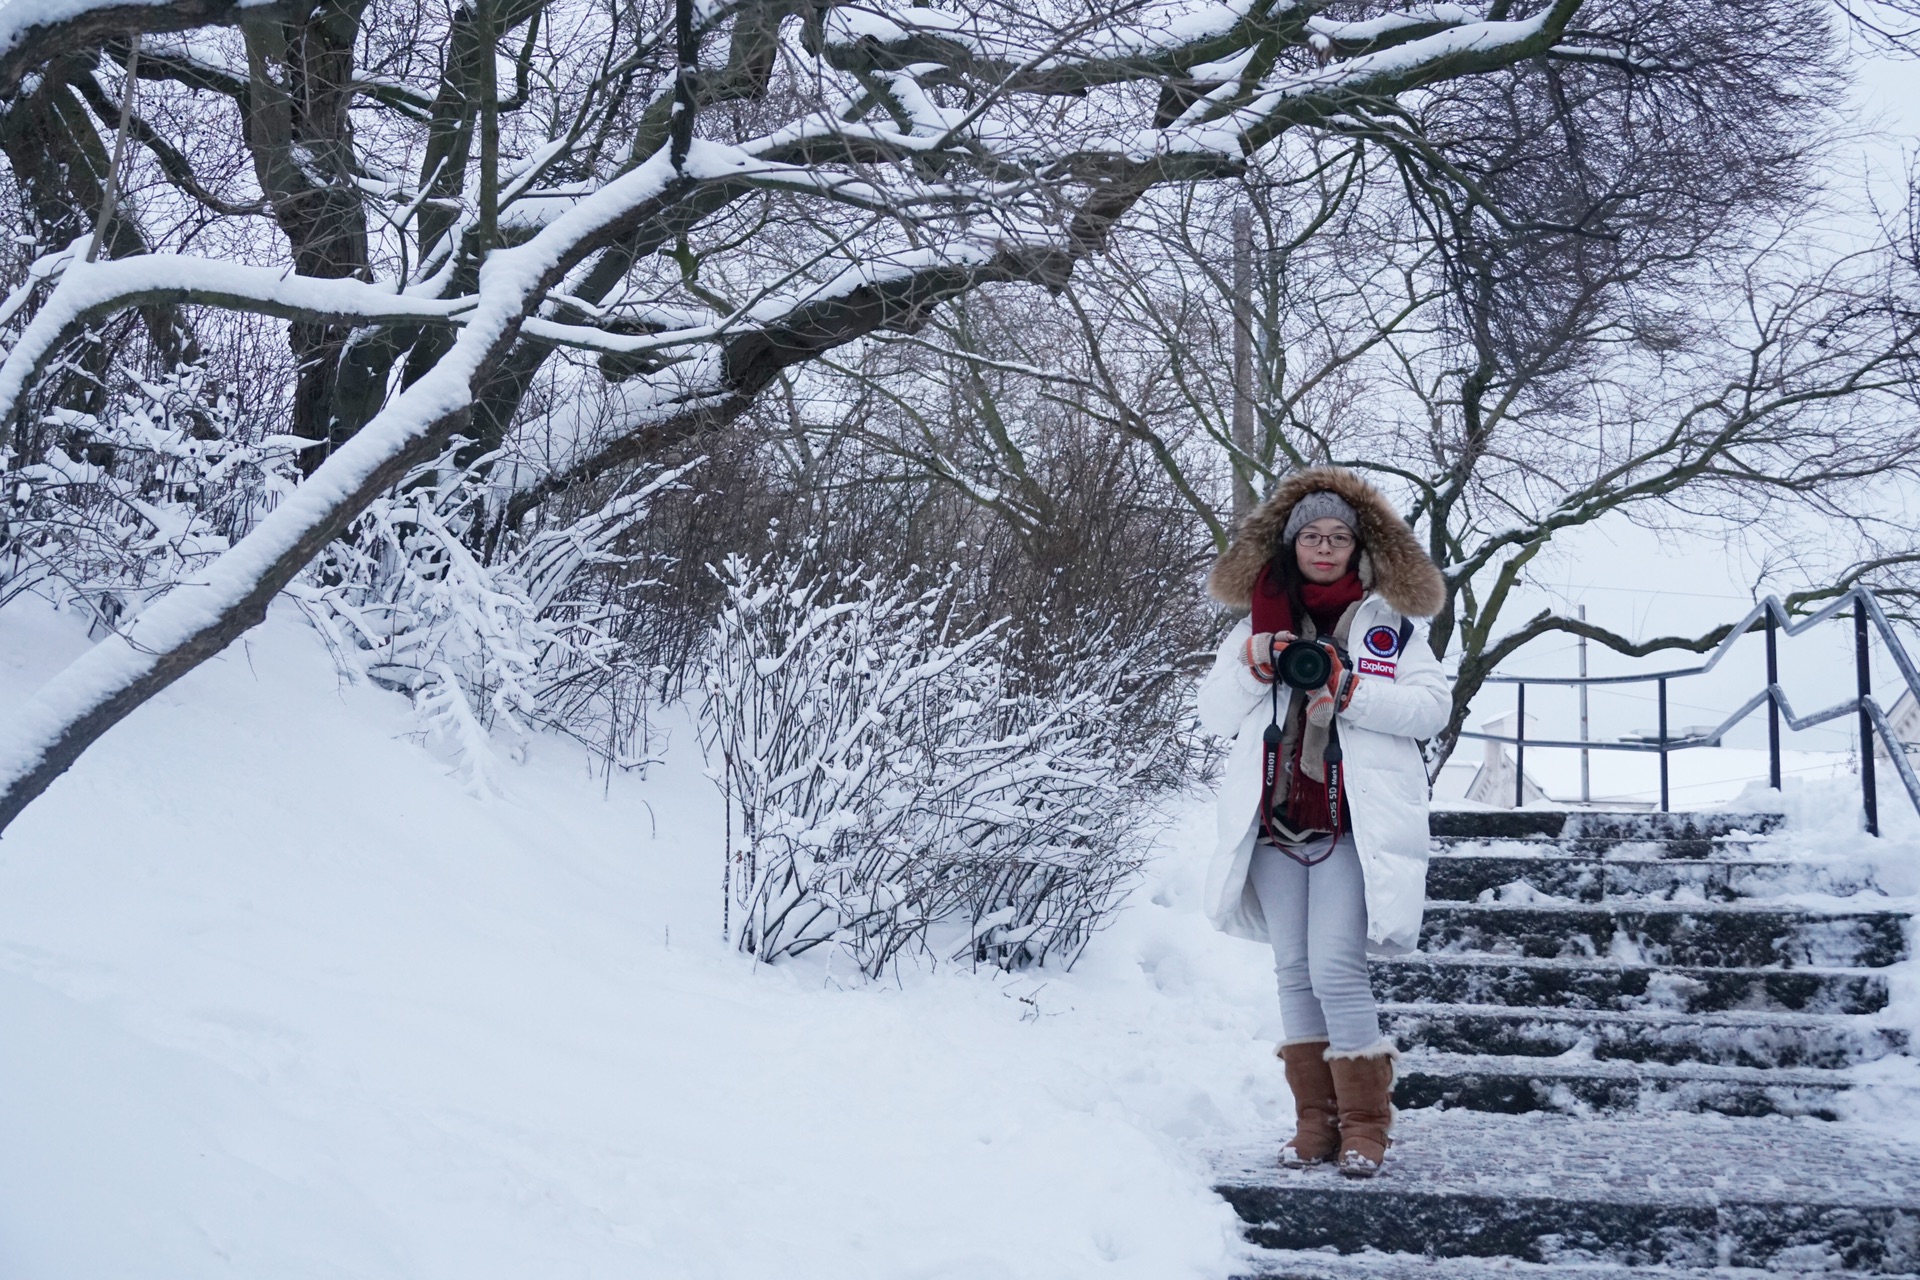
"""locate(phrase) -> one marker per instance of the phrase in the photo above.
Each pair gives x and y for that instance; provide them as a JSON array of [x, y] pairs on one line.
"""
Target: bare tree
[[647, 216], [1541, 300]]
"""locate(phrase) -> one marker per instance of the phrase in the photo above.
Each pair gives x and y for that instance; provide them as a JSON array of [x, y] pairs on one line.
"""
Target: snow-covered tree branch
[[490, 224], [894, 789], [32, 34]]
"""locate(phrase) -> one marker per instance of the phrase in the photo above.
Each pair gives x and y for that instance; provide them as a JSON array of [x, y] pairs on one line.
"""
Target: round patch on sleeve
[[1382, 642]]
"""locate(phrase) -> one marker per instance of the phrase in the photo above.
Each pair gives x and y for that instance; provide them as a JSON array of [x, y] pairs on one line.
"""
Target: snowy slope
[[280, 998]]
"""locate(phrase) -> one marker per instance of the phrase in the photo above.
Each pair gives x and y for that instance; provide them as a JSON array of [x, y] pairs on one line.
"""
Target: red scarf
[[1307, 807], [1325, 603]]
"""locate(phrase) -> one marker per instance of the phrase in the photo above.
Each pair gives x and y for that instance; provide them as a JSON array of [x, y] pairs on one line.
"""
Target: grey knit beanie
[[1318, 505]]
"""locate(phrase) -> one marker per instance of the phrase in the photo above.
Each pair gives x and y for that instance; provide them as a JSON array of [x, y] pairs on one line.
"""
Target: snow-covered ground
[[280, 998]]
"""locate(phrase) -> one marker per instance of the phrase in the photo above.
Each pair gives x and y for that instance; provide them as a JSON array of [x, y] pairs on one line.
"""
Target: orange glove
[[1336, 694], [1259, 653]]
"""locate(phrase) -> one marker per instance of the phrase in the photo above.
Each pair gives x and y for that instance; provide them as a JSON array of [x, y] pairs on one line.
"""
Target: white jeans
[[1317, 919]]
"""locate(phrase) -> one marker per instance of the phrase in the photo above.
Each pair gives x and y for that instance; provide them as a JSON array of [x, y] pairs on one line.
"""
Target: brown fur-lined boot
[[1363, 1083], [1316, 1127]]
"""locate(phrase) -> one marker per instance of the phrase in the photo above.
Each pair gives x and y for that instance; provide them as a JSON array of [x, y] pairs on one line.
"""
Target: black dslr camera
[[1306, 664]]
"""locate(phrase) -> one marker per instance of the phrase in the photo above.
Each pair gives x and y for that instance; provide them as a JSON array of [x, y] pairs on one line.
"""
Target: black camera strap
[[1334, 757], [1271, 749]]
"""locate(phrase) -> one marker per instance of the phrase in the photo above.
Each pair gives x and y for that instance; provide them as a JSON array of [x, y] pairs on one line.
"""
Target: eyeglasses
[[1314, 541]]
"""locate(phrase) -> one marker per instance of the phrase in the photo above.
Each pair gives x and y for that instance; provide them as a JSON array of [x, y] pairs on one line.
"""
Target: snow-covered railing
[[1772, 617]]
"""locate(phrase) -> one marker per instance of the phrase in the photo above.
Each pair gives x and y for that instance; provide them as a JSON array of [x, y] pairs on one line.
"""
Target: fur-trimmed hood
[[1391, 562]]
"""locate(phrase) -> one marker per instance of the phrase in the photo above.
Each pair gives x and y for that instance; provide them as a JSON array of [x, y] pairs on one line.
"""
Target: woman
[[1323, 823]]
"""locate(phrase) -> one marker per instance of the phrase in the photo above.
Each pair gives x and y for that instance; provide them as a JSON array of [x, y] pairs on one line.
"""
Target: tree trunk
[[300, 134]]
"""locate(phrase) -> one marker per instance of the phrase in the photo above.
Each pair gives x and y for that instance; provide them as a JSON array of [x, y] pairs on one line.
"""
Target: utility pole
[[1242, 362], [1586, 778], [110, 195], [687, 54], [487, 232]]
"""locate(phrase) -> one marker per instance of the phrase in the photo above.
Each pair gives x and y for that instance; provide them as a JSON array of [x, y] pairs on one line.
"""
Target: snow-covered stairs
[[1624, 1038], [1646, 1192], [1532, 916]]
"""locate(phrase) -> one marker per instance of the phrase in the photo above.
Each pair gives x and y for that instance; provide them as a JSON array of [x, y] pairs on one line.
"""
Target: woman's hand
[[1259, 652], [1335, 694]]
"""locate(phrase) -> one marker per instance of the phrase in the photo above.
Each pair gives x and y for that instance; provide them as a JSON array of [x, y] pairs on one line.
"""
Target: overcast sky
[[1643, 584]]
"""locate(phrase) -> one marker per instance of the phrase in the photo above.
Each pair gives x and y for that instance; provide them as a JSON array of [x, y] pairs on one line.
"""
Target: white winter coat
[[1385, 778], [1402, 696]]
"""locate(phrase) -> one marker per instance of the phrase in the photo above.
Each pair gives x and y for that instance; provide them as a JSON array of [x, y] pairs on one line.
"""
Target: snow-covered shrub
[[504, 641], [108, 510], [892, 787]]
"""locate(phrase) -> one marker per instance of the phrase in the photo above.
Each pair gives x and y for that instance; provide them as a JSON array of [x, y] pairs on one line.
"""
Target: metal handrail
[[1774, 615]]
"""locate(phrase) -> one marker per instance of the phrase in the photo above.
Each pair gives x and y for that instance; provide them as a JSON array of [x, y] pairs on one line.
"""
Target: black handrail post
[[1663, 745], [1863, 670], [1520, 747], [1773, 703]]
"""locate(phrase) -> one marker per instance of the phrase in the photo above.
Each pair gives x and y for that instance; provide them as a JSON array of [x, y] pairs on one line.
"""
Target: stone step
[[1506, 824], [1759, 1041], [1663, 1191], [1554, 824], [1614, 985], [1702, 847], [1507, 877], [1594, 824], [1320, 1264], [1720, 936], [1572, 1086]]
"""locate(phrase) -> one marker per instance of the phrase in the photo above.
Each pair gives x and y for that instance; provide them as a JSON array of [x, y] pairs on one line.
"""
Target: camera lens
[[1304, 665]]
